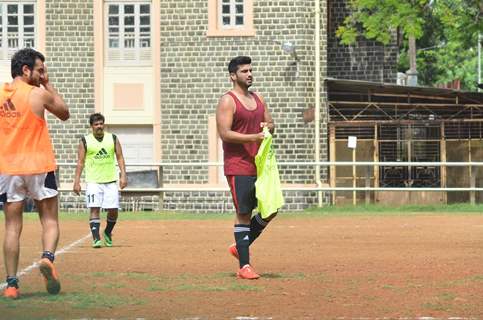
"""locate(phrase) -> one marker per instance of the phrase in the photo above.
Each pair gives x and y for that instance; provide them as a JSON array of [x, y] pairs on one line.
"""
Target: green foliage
[[446, 31], [380, 19]]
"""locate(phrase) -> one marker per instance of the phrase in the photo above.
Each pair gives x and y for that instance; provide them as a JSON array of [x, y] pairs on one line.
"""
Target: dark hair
[[238, 61], [96, 117], [24, 57]]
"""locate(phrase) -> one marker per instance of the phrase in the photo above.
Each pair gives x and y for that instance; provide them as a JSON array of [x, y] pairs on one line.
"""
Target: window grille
[[232, 13], [17, 27], [128, 36]]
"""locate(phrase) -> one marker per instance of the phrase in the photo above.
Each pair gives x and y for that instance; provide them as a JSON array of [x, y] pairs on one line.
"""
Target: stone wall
[[194, 76], [70, 61], [365, 60]]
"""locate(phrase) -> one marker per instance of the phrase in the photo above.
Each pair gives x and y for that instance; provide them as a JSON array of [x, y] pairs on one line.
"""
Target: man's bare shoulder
[[226, 98], [226, 101], [40, 94]]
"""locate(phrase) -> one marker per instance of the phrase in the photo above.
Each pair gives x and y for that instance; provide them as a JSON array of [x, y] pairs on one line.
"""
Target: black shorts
[[243, 193]]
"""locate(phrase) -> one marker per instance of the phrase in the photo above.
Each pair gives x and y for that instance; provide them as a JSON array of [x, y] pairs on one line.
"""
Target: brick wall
[[194, 76], [70, 62], [365, 60]]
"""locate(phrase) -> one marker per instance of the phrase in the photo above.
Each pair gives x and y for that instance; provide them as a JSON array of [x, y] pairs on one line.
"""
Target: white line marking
[[57, 253]]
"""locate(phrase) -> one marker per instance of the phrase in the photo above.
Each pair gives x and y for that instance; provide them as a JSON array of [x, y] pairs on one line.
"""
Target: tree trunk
[[412, 54], [412, 73]]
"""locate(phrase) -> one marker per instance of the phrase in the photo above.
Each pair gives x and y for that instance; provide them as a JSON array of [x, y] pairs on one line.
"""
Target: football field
[[313, 265]]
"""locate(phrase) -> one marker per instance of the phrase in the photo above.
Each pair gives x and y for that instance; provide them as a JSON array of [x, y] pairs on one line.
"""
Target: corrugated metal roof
[[364, 91]]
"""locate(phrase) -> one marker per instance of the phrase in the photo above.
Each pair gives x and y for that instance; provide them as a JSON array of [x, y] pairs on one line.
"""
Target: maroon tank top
[[239, 159]]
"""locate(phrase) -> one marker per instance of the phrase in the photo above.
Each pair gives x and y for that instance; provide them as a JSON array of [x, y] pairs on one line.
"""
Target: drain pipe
[[317, 100]]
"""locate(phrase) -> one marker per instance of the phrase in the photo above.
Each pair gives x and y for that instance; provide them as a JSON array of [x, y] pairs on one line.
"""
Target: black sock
[[95, 224], [12, 282], [242, 238], [110, 223], [49, 255], [257, 224]]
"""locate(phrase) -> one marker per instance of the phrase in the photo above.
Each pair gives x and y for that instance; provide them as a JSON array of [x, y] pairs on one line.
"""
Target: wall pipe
[[317, 100]]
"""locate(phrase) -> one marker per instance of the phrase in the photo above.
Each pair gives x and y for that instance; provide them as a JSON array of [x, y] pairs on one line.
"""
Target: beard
[[33, 82], [245, 84]]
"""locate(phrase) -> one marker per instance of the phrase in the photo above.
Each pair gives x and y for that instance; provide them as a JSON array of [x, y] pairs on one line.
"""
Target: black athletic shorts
[[243, 193]]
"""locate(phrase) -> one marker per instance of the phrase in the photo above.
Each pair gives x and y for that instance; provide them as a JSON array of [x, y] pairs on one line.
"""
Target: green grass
[[76, 300], [222, 287], [436, 306], [326, 211], [384, 210], [464, 281]]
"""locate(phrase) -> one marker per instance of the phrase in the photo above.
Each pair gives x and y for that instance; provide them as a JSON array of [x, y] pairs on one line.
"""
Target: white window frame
[[232, 15], [7, 52], [137, 55]]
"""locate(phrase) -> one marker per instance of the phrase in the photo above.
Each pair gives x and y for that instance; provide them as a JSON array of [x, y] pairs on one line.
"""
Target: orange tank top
[[25, 146]]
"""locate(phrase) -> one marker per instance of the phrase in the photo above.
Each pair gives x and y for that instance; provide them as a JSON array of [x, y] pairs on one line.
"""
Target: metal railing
[[371, 183], [162, 165]]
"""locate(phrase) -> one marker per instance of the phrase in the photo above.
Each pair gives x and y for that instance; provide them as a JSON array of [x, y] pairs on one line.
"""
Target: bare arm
[[48, 99], [55, 104], [122, 165], [81, 156], [224, 121]]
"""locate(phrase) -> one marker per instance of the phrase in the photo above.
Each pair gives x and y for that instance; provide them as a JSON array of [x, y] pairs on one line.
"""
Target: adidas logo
[[102, 154], [7, 110]]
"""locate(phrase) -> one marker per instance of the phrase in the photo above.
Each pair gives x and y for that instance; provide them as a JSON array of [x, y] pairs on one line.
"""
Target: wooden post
[[368, 184], [443, 168], [333, 173], [160, 185], [472, 185], [472, 176], [376, 159], [354, 177], [410, 159]]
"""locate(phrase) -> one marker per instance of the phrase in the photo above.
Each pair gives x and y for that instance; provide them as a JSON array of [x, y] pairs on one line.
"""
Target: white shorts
[[102, 195], [36, 186]]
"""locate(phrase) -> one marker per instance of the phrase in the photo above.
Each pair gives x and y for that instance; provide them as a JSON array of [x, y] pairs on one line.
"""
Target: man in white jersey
[[96, 151]]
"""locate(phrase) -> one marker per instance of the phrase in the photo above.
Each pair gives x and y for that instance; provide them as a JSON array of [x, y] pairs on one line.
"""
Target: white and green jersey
[[100, 163]]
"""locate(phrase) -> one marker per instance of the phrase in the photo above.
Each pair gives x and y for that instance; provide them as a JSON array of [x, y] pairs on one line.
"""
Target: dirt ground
[[312, 268]]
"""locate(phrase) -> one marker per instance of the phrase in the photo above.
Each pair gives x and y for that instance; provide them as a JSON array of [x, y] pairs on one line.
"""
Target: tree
[[448, 27]]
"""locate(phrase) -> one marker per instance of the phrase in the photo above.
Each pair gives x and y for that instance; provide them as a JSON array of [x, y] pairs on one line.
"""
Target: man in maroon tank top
[[240, 117]]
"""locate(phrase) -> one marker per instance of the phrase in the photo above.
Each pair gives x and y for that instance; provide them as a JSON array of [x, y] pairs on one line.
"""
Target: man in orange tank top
[[240, 117], [27, 162]]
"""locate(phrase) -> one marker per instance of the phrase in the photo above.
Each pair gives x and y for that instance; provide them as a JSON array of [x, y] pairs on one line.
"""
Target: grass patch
[[389, 287], [297, 276], [435, 306], [229, 287], [463, 281], [76, 300], [79, 300], [326, 211], [447, 296], [135, 216], [101, 274], [376, 210], [115, 285], [141, 276], [156, 288]]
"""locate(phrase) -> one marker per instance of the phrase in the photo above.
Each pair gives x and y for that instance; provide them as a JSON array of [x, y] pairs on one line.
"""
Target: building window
[[231, 13], [128, 32], [230, 18], [17, 27]]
